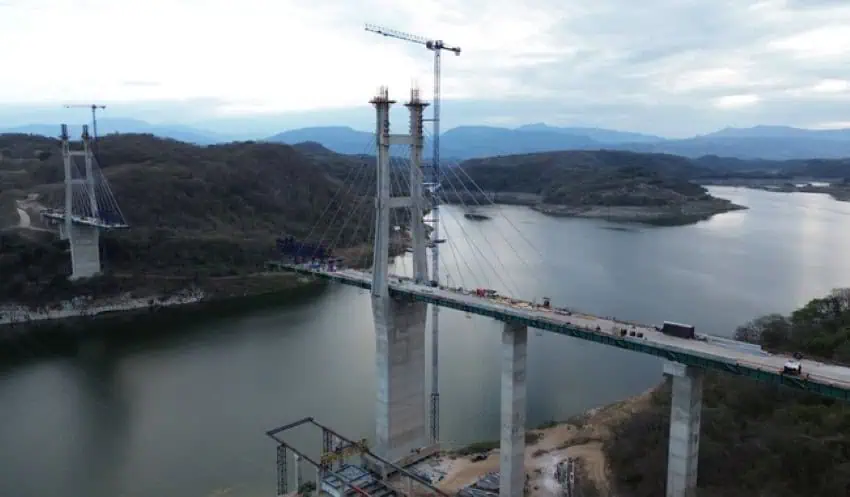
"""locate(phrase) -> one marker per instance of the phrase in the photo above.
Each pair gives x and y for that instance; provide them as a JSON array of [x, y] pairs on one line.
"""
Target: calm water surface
[[185, 417]]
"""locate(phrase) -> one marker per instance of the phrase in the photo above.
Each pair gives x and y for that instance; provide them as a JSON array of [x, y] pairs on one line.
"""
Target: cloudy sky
[[672, 67]]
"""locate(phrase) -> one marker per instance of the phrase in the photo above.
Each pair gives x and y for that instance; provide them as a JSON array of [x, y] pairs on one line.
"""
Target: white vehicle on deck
[[792, 367]]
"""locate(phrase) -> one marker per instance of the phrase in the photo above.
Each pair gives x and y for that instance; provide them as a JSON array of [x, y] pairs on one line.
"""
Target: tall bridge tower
[[401, 421], [89, 206]]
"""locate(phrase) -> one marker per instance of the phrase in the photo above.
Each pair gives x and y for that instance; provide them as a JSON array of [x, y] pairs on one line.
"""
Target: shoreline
[[152, 292], [14, 315], [189, 293], [581, 437], [683, 214], [59, 329], [57, 337], [836, 193]]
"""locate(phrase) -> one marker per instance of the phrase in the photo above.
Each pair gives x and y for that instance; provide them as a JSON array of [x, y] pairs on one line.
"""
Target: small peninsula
[[605, 184]]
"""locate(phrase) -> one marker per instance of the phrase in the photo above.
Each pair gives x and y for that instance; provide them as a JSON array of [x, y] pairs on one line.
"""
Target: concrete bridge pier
[[685, 410], [513, 414], [85, 250], [401, 424]]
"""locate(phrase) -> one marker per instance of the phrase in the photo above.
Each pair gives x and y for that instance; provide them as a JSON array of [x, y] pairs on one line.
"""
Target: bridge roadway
[[83, 220], [818, 378]]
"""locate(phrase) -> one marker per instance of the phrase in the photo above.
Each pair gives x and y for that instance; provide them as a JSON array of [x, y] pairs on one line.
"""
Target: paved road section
[[713, 353], [88, 221]]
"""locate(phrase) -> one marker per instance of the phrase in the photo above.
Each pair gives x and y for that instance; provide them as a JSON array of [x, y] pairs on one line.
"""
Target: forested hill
[[756, 439], [600, 177], [212, 210], [165, 184]]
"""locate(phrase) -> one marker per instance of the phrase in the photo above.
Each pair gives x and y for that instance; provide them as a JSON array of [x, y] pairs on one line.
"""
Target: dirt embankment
[[581, 437]]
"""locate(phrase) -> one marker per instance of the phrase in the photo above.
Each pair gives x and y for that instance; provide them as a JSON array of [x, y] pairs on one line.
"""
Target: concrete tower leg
[[90, 180], [512, 444], [417, 203], [686, 407], [400, 418], [65, 233], [85, 251]]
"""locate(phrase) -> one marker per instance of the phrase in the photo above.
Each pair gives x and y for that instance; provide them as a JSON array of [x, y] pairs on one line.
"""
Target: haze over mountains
[[465, 142]]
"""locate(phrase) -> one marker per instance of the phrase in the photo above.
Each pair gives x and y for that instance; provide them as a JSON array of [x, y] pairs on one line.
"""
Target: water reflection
[[103, 418]]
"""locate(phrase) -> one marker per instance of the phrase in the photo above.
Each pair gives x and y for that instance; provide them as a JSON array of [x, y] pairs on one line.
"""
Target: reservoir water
[[186, 416]]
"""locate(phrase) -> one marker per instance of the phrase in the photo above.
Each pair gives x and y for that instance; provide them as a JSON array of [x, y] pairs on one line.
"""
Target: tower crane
[[94, 108], [436, 46]]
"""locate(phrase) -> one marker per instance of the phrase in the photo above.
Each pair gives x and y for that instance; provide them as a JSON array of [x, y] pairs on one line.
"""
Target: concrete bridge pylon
[[401, 419]]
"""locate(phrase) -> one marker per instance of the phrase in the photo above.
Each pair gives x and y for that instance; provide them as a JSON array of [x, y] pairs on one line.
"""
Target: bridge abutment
[[685, 412], [513, 410]]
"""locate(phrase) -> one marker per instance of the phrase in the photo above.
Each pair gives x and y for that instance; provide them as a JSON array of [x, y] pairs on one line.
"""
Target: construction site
[[561, 460]]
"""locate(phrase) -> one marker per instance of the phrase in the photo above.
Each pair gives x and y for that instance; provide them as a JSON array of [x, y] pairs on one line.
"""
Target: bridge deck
[[84, 220], [713, 354]]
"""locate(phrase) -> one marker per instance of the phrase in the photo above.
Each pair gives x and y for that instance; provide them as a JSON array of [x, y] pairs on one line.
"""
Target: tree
[[772, 331], [756, 439]]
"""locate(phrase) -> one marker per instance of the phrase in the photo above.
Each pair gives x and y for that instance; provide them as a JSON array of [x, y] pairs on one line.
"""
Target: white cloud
[[723, 77], [827, 42], [736, 101], [832, 125], [832, 86], [654, 65]]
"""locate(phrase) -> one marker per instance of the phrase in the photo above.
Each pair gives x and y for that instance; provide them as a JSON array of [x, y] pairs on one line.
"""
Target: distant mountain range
[[465, 142], [109, 126]]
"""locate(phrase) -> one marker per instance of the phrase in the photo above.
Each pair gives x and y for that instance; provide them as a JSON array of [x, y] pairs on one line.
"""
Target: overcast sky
[[672, 67]]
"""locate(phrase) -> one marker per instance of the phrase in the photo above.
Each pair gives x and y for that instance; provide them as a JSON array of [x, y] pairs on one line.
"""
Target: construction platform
[[336, 472]]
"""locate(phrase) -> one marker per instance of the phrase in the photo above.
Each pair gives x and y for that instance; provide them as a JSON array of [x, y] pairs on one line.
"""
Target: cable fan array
[[478, 255], [107, 210]]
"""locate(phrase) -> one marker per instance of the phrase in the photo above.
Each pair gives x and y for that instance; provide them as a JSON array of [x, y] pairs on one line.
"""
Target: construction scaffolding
[[337, 475]]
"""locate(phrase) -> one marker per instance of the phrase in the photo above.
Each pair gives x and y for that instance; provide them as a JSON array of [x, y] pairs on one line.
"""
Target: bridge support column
[[512, 443], [683, 451], [85, 251], [401, 403]]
